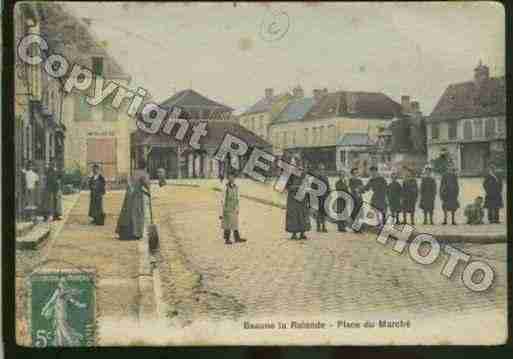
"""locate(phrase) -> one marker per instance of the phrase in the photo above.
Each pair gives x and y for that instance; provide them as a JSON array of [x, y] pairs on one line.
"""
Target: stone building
[[176, 158], [311, 128], [468, 124], [258, 117], [95, 134], [39, 125]]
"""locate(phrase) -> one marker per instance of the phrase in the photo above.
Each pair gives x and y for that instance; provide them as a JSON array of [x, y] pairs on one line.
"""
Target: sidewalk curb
[[43, 233], [145, 280]]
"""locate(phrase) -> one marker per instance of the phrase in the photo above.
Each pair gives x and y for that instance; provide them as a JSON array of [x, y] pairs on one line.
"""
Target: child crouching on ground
[[474, 211]]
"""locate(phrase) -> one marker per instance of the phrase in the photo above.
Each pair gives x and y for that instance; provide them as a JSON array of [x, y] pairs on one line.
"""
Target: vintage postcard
[[271, 173]]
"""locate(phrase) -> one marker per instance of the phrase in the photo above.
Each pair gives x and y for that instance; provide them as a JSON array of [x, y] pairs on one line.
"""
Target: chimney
[[317, 94], [481, 73], [298, 92], [415, 107], [269, 93], [405, 104]]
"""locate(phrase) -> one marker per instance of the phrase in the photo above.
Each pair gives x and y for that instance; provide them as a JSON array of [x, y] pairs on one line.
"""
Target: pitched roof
[[190, 98], [355, 104], [216, 131], [354, 139], [265, 104], [467, 99], [71, 38], [295, 110]]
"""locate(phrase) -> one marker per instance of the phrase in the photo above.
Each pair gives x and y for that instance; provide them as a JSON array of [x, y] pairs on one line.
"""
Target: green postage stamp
[[62, 309]]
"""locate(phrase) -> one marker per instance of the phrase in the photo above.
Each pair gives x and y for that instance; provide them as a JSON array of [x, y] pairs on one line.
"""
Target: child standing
[[409, 196], [394, 197], [427, 195]]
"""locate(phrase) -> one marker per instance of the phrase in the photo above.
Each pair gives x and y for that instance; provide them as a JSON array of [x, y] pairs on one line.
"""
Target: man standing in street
[[97, 188], [492, 185], [230, 210]]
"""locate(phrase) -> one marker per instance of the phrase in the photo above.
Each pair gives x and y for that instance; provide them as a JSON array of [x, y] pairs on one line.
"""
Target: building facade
[[259, 117], [177, 158], [95, 134], [468, 124], [311, 128], [39, 125]]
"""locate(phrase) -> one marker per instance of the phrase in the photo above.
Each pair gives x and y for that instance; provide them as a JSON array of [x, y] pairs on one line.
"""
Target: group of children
[[394, 197], [397, 198]]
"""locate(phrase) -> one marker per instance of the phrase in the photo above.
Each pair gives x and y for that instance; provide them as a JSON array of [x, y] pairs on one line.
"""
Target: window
[[98, 66], [467, 130], [253, 127], [453, 130], [478, 127], [435, 131], [306, 136], [293, 138], [321, 134], [332, 133], [490, 127], [285, 139], [501, 125], [262, 122]]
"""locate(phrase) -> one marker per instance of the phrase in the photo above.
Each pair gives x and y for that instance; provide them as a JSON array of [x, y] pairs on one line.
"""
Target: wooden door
[[103, 152]]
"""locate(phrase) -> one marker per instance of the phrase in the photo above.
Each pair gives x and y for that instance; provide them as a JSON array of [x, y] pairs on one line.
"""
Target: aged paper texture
[[310, 173]]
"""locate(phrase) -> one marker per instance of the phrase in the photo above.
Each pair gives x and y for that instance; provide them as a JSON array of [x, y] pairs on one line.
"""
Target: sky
[[224, 50]]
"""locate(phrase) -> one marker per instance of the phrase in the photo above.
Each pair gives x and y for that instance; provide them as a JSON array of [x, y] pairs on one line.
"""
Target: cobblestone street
[[329, 274], [203, 280]]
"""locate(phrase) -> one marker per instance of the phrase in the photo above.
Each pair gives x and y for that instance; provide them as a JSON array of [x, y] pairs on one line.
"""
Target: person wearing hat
[[341, 186], [97, 190], [427, 195], [378, 185], [492, 185], [394, 197], [449, 192], [409, 195], [230, 209]]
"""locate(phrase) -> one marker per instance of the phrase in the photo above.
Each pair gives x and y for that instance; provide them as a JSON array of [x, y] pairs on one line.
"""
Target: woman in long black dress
[[135, 206], [297, 218]]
